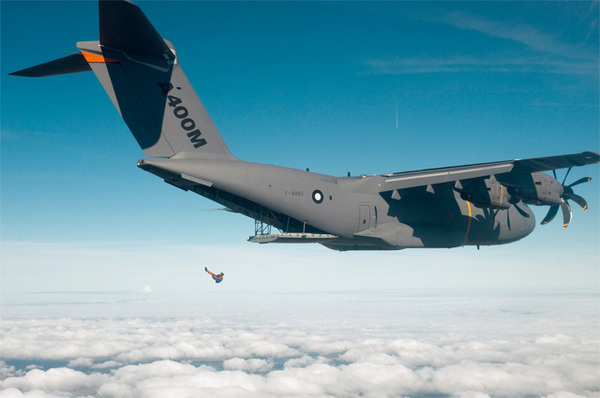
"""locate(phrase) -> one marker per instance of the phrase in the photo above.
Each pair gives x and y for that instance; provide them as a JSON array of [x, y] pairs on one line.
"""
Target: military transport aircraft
[[480, 204]]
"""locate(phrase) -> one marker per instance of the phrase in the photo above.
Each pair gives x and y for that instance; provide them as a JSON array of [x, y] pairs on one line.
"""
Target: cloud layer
[[513, 350]]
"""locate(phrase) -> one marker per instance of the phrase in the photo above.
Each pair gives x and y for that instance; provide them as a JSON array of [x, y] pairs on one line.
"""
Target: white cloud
[[81, 363], [6, 370], [301, 362], [527, 35], [470, 394], [106, 365], [15, 393], [564, 394], [545, 52], [55, 380], [269, 358], [345, 344], [498, 62], [253, 365]]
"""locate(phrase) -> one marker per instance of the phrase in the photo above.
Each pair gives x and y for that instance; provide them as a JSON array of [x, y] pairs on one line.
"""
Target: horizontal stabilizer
[[69, 64]]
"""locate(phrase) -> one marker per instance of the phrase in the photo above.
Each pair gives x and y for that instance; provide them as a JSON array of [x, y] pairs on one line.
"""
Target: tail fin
[[141, 74]]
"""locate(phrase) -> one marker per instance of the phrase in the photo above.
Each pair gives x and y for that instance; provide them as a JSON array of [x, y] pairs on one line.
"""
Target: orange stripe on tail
[[98, 59]]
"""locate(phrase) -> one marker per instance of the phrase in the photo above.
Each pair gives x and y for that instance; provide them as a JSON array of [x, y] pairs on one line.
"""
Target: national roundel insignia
[[317, 196]]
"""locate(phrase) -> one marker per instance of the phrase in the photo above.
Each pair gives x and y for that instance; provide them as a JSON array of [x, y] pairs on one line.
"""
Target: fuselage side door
[[364, 220]]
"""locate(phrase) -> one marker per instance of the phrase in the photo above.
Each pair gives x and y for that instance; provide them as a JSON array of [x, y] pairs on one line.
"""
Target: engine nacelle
[[487, 193], [535, 189]]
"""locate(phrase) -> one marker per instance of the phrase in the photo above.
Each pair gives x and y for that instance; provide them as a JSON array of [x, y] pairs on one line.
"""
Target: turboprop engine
[[485, 193], [541, 189]]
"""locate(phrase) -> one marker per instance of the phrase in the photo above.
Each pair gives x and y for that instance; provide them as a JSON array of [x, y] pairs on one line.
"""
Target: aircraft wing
[[411, 179]]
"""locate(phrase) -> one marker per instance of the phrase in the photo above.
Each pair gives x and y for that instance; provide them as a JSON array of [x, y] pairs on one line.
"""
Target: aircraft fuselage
[[350, 208]]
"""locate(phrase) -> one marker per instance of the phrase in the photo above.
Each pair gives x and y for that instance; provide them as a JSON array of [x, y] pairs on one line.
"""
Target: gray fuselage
[[302, 201]]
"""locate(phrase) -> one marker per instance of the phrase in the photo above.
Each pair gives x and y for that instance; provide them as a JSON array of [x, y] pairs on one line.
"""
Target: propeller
[[515, 205], [521, 211], [567, 194]]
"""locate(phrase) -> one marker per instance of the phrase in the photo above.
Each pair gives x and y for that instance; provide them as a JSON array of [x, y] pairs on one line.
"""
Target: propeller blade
[[580, 181], [566, 175], [494, 214], [550, 216], [566, 211], [577, 199], [521, 211]]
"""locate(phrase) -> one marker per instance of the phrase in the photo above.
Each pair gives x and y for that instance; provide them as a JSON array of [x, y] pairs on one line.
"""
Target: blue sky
[[298, 84], [365, 87]]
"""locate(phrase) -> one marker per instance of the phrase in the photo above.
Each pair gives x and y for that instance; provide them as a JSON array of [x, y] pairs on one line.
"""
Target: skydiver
[[218, 277]]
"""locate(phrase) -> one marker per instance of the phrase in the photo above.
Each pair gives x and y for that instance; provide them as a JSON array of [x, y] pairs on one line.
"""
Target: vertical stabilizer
[[140, 72]]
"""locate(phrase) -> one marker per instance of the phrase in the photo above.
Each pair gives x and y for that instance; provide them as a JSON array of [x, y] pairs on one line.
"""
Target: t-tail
[[140, 72]]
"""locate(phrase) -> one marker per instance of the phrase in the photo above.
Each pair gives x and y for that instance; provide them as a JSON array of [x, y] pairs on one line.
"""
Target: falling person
[[217, 277]]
